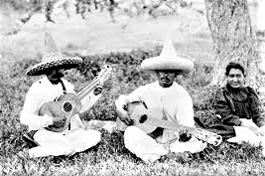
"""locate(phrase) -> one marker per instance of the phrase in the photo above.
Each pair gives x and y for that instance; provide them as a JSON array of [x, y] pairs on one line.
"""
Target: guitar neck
[[148, 119], [89, 88], [100, 79], [201, 134]]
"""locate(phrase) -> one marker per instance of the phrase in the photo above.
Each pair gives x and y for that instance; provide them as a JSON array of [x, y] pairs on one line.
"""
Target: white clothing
[[143, 145], [176, 102], [248, 132], [149, 150], [57, 144], [261, 15], [43, 91]]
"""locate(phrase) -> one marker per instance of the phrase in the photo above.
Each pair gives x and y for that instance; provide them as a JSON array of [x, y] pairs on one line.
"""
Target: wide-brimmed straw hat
[[167, 60], [53, 58]]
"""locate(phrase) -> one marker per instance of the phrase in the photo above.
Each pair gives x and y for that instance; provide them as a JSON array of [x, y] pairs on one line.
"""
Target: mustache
[[58, 75], [164, 77]]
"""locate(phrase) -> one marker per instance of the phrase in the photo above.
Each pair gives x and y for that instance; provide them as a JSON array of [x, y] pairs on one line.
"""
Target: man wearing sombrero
[[171, 98], [74, 138]]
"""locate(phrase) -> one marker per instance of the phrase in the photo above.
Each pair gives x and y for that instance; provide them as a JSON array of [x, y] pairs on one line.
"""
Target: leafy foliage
[[84, 7]]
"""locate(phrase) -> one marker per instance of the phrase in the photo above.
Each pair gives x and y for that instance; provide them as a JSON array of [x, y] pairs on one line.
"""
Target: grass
[[110, 157]]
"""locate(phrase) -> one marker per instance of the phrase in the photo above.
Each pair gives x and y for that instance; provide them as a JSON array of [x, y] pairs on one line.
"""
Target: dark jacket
[[235, 104]]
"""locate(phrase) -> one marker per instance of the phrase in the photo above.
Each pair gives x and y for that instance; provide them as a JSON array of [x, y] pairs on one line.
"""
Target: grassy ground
[[110, 157]]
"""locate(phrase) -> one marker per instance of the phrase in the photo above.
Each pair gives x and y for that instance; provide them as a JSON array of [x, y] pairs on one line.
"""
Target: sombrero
[[53, 58], [167, 60]]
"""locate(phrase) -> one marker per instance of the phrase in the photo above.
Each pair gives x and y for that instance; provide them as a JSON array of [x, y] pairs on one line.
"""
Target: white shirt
[[175, 100], [43, 91]]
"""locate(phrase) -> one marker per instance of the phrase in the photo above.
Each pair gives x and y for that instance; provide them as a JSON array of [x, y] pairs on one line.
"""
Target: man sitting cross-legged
[[164, 94], [55, 134]]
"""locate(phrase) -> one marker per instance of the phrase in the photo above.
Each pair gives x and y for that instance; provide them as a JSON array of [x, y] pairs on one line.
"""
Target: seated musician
[[49, 88], [239, 107], [170, 97]]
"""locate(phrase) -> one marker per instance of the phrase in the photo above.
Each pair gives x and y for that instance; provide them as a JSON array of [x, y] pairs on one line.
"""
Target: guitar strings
[[93, 83], [103, 73], [88, 88]]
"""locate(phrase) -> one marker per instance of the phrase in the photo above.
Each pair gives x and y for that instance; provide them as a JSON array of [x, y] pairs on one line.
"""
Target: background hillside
[[98, 34]]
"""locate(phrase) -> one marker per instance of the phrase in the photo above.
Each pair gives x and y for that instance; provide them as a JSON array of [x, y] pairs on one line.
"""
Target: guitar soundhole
[[143, 118], [67, 106]]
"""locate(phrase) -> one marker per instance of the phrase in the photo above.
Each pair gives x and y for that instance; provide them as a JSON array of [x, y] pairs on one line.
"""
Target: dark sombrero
[[167, 60], [53, 59]]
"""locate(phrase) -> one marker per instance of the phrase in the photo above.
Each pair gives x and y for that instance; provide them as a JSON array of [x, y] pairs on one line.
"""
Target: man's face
[[54, 75], [235, 78], [166, 77]]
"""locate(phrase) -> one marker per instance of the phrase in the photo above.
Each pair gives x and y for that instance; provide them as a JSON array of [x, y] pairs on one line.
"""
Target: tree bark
[[234, 39]]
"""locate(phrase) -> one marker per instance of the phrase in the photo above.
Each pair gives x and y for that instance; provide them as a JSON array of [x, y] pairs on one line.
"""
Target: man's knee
[[93, 136], [133, 136], [96, 135], [131, 131]]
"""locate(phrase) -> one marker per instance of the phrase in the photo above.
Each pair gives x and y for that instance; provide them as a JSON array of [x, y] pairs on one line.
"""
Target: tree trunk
[[234, 39]]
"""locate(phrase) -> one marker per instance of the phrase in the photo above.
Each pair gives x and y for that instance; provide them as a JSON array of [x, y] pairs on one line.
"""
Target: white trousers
[[55, 144], [247, 133], [149, 150], [244, 134]]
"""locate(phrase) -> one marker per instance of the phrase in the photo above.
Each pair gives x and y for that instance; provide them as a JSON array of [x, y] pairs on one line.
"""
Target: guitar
[[69, 104], [149, 119]]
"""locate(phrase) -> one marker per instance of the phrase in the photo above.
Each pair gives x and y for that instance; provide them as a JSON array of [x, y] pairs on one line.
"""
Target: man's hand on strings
[[182, 131], [184, 134]]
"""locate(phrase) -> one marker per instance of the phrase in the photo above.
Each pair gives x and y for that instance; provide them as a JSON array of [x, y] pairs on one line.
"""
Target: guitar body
[[138, 112], [66, 106], [149, 119], [69, 104]]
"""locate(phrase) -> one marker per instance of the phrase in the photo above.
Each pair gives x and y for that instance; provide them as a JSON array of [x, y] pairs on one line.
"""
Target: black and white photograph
[[132, 87]]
